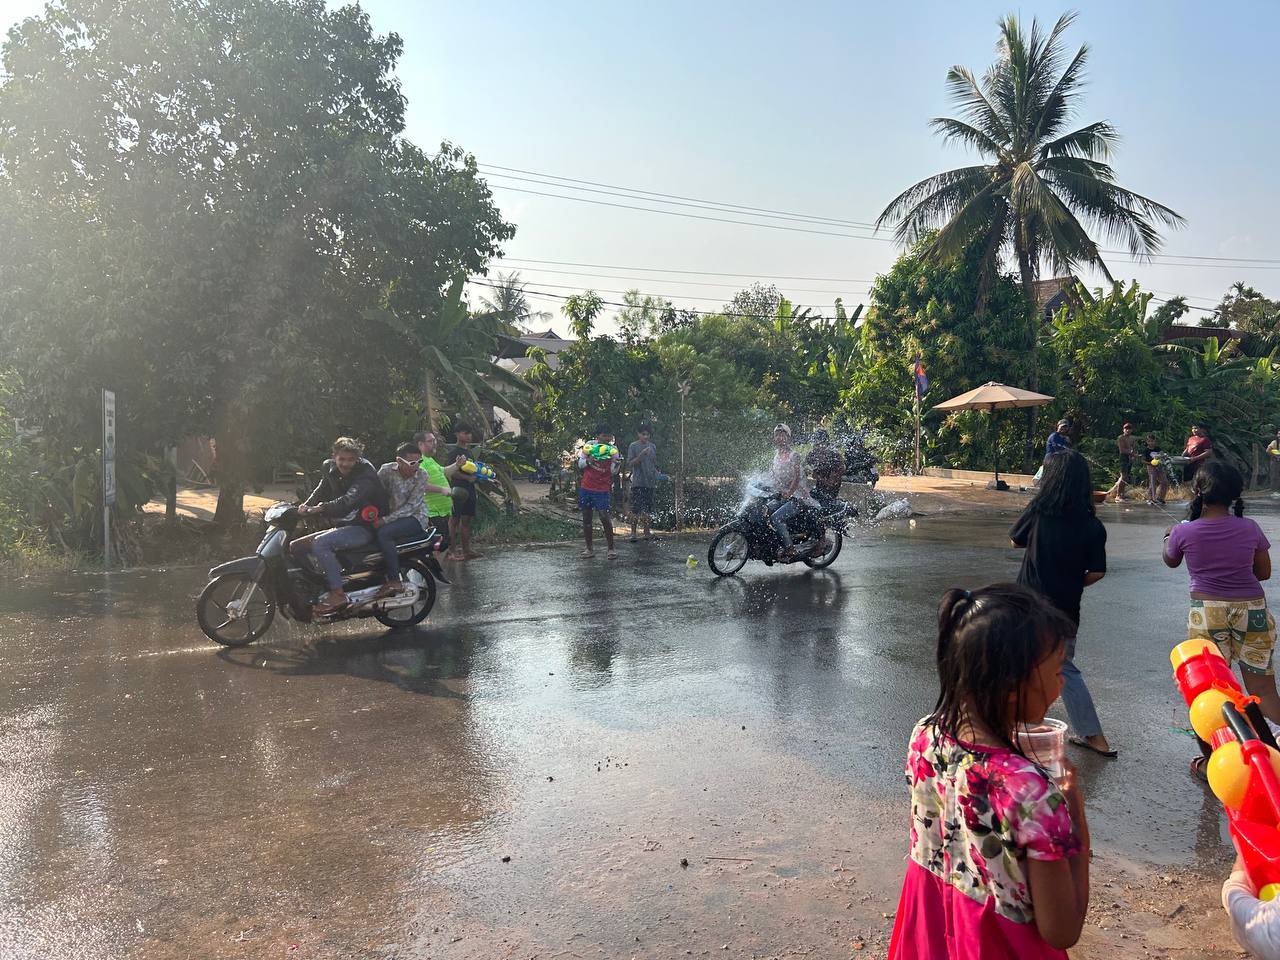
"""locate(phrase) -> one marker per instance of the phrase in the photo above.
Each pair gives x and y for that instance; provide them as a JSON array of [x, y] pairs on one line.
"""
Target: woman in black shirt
[[1066, 548]]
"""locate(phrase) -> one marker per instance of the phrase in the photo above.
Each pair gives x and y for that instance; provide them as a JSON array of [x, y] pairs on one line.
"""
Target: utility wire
[[1126, 256], [696, 283], [667, 296], [691, 216], [695, 273], [674, 196]]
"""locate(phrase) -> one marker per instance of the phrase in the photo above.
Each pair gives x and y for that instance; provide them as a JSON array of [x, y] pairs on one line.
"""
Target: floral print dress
[[977, 814]]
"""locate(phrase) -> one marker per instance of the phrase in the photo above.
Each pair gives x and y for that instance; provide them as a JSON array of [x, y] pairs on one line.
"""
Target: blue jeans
[[1076, 697], [326, 545], [778, 520], [390, 535]]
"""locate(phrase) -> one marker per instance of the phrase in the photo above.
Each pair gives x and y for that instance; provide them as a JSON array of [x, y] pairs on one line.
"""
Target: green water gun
[[601, 451]]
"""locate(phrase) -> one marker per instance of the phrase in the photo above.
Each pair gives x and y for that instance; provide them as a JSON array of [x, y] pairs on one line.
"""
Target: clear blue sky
[[820, 108]]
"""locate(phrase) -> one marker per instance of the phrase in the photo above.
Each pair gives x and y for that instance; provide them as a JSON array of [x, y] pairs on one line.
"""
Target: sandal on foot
[[1198, 765], [586, 554], [1082, 742], [611, 555]]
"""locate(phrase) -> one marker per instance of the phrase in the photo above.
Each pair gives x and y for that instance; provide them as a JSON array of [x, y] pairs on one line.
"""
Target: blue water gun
[[481, 470]]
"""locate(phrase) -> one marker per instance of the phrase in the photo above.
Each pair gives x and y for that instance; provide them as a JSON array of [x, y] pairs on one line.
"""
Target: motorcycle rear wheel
[[416, 573], [835, 542], [728, 552], [234, 610]]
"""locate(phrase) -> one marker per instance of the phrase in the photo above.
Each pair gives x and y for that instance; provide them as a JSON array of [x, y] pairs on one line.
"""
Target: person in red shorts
[[593, 490]]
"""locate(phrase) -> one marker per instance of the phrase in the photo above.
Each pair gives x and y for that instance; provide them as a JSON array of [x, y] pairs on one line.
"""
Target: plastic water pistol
[[1244, 766], [481, 470], [601, 451]]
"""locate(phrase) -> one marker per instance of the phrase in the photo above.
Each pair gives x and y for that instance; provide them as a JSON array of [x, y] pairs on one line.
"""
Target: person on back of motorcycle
[[407, 486], [348, 484], [786, 476], [826, 466]]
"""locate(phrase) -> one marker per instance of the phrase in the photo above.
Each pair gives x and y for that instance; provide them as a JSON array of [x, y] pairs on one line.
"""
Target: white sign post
[[108, 470]]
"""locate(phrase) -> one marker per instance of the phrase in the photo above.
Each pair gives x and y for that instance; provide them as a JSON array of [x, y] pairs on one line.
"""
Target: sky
[[819, 109]]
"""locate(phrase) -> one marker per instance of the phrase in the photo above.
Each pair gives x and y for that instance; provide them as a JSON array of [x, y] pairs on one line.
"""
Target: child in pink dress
[[999, 863]]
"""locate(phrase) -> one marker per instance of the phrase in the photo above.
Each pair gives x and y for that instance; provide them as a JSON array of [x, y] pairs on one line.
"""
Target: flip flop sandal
[[1198, 769], [1082, 742]]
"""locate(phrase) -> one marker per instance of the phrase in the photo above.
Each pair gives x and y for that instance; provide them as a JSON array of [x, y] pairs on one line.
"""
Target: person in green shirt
[[439, 494]]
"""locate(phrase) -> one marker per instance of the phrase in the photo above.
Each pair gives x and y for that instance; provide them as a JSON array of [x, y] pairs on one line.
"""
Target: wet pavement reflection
[[525, 773]]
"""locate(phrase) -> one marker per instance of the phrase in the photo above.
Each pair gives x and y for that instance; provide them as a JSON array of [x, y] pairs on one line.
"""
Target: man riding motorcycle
[[348, 485]]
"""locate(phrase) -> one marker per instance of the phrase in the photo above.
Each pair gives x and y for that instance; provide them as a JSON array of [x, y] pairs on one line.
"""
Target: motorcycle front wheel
[[728, 552], [235, 610], [835, 540], [417, 574]]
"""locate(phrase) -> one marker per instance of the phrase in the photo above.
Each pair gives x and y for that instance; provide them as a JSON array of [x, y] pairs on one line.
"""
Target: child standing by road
[[1228, 557], [642, 458], [593, 490], [999, 863]]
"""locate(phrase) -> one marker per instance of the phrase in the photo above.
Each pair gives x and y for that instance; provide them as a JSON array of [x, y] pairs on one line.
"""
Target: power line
[[674, 196], [691, 216], [665, 296], [1122, 256], [695, 273], [695, 283], [794, 218], [703, 313]]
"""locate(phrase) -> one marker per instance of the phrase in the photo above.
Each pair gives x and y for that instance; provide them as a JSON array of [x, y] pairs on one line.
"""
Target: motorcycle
[[817, 534], [240, 601]]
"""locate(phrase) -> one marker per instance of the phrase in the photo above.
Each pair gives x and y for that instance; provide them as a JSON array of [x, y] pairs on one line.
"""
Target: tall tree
[[211, 197], [1042, 185]]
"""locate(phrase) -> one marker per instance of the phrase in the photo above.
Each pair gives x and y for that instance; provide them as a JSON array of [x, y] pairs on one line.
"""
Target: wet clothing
[[463, 506], [1059, 552], [642, 457], [593, 499], [1056, 443], [343, 497], [407, 495], [1219, 554], [826, 466], [390, 535], [641, 499], [978, 814], [1243, 630], [1127, 444], [597, 475], [325, 546], [438, 504]]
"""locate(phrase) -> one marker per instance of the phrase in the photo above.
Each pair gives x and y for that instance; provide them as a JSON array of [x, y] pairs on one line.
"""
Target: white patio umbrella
[[992, 397]]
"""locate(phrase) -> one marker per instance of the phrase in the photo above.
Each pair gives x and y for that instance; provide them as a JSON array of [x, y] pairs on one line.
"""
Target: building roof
[[1187, 331], [548, 340], [1053, 292]]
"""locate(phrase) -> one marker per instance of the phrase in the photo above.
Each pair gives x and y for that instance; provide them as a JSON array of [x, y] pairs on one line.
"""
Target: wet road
[[345, 792]]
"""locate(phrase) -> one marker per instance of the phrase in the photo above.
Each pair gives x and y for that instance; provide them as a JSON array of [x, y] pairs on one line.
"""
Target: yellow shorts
[[1243, 630]]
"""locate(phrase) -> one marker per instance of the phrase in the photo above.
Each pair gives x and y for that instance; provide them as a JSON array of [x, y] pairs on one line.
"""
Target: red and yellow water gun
[[1244, 765]]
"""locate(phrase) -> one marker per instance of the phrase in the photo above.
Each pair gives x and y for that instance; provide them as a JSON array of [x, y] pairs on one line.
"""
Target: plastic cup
[[1045, 743]]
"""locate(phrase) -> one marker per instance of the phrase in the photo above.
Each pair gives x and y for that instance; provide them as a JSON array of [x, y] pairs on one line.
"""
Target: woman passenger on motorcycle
[[786, 476], [348, 484]]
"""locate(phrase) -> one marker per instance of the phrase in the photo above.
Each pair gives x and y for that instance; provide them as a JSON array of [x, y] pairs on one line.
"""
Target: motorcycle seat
[[361, 557]]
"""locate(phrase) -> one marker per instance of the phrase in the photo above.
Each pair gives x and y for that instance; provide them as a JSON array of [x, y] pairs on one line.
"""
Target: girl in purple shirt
[[1228, 557]]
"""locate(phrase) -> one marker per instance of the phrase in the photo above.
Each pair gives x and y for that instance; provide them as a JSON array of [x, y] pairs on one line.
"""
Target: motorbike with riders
[[341, 573]]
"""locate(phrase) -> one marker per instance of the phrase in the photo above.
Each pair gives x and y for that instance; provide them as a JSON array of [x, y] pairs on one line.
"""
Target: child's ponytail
[[989, 642], [1238, 507], [1196, 507]]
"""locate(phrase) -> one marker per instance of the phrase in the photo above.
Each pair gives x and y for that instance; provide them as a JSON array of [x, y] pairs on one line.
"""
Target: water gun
[[1244, 765], [481, 470], [601, 451]]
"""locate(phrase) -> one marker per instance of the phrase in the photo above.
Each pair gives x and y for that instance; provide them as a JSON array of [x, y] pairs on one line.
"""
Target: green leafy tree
[[1042, 184], [207, 200]]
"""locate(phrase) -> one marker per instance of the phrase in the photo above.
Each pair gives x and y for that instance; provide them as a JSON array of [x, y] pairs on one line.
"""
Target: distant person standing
[[1273, 462], [1157, 472], [594, 489], [439, 497], [1066, 548], [1127, 445], [1058, 440], [1198, 449], [642, 459], [464, 507]]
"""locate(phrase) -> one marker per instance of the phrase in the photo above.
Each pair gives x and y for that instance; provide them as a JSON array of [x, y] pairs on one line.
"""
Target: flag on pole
[[922, 381]]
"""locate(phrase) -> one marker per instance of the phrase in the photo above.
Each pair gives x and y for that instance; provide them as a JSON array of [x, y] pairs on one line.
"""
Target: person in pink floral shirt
[[999, 863]]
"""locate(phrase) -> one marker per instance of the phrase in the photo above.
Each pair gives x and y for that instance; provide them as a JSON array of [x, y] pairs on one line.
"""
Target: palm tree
[[509, 299], [1039, 181]]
